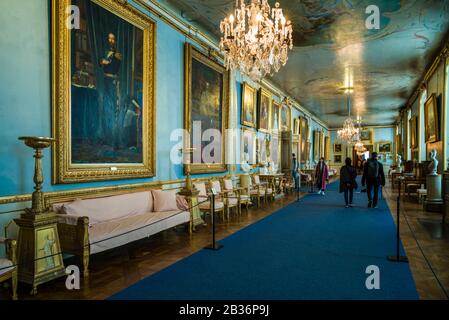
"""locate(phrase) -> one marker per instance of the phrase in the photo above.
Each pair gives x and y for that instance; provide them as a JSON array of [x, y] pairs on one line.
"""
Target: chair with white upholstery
[[264, 188], [205, 204], [232, 195], [8, 265], [256, 191]]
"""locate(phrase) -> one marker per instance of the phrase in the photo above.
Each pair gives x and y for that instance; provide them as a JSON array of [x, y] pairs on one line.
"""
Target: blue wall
[[25, 98]]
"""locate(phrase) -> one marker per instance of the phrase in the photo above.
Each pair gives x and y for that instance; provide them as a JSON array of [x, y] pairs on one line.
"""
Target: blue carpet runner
[[314, 249]]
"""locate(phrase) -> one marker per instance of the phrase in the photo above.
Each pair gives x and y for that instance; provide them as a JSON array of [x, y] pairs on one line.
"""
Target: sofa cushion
[[165, 200], [110, 208]]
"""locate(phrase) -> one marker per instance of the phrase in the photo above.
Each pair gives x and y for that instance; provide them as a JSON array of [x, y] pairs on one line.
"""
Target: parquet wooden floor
[[117, 269]]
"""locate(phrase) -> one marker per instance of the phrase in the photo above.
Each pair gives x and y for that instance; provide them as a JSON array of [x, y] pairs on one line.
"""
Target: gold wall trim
[[440, 58], [207, 43]]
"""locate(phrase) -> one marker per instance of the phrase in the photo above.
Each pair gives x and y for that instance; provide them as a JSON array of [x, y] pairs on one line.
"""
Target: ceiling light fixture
[[256, 38], [349, 133]]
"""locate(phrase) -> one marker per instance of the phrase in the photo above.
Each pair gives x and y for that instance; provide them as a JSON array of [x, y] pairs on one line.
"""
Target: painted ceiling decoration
[[331, 35]]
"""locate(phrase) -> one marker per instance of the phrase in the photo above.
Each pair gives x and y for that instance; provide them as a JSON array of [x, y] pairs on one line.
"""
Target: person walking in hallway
[[348, 183], [321, 176], [374, 177], [295, 174]]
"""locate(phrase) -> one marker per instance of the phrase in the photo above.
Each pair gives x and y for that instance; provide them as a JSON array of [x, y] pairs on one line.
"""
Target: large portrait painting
[[264, 111], [414, 132], [304, 136], [249, 110], [285, 118], [103, 92], [248, 147], [431, 119], [206, 107], [275, 116], [317, 145]]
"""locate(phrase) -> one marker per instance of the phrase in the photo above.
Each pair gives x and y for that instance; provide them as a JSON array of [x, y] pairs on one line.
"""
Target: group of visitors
[[373, 177]]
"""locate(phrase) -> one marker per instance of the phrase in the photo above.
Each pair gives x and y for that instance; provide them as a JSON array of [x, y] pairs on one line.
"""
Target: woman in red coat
[[321, 176]]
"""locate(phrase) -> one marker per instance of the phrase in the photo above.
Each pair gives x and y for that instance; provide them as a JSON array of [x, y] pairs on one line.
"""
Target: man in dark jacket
[[348, 176], [373, 176]]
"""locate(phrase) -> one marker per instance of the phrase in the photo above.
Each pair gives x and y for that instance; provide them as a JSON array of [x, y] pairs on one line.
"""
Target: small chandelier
[[256, 39]]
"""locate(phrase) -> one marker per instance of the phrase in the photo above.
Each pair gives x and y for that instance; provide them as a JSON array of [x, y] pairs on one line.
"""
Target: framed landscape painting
[[103, 92], [249, 110], [366, 135], [264, 111], [431, 119], [206, 107], [384, 147]]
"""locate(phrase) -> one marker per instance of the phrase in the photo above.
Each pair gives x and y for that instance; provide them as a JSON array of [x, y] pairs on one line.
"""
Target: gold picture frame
[[264, 111], [286, 118], [338, 148], [304, 136], [212, 68], [248, 145], [366, 135], [431, 119], [338, 158], [316, 145], [296, 126], [275, 116], [64, 169], [327, 147], [414, 132], [249, 106], [384, 147]]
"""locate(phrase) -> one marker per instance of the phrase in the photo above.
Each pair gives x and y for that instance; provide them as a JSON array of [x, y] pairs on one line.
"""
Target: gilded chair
[[8, 266], [234, 194], [243, 196], [204, 202], [264, 187], [229, 199], [256, 191], [288, 184]]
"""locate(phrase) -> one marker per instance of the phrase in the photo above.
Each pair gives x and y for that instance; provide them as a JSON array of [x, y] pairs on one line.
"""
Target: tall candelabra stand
[[190, 192], [39, 250]]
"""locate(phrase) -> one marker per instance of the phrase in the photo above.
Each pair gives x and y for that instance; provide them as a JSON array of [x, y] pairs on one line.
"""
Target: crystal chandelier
[[349, 133], [256, 38]]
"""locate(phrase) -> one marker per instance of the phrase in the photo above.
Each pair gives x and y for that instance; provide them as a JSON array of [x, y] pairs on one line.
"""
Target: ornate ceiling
[[331, 36]]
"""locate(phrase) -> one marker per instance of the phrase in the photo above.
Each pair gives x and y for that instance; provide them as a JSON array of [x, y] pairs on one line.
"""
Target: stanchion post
[[214, 246], [397, 257]]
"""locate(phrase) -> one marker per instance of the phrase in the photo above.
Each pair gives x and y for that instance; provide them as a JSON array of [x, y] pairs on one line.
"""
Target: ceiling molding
[[206, 42]]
